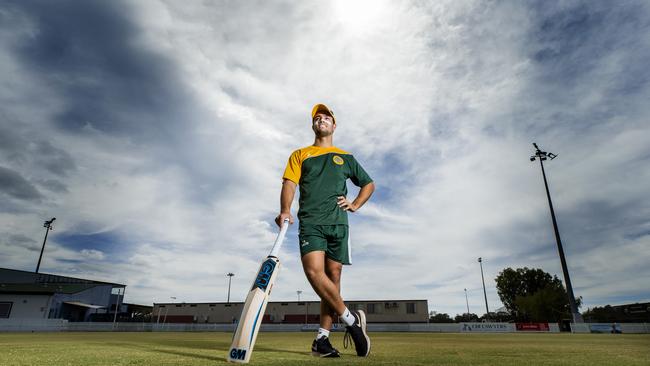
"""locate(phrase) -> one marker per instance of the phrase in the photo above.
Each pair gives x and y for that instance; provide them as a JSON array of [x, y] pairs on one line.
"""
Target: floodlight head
[[552, 156], [532, 158]]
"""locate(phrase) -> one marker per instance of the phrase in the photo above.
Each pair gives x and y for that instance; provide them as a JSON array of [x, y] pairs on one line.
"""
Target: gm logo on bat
[[264, 276], [237, 354]]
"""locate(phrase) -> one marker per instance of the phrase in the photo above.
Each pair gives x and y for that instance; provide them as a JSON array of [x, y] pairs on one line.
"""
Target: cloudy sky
[[156, 132]]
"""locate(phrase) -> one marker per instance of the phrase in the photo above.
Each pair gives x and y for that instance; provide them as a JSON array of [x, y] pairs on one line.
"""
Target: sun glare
[[360, 16]]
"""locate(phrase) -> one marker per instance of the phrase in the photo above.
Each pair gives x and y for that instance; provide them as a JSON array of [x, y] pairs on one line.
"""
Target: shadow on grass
[[190, 355], [266, 349]]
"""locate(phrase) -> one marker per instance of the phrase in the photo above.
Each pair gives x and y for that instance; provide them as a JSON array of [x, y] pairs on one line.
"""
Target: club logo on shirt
[[337, 160]]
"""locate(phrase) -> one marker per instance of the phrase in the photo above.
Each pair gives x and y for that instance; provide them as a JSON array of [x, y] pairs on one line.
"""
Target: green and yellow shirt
[[321, 173]]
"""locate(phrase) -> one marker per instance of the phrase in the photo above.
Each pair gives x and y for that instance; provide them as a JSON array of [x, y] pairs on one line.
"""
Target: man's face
[[323, 124]]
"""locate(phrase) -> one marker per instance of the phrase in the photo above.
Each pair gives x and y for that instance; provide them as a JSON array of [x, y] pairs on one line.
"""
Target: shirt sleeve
[[358, 175], [294, 168]]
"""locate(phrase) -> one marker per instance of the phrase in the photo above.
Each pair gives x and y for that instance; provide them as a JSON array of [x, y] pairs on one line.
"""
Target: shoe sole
[[322, 355], [362, 320]]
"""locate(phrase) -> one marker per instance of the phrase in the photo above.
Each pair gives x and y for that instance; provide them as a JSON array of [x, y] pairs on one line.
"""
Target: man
[[321, 170]]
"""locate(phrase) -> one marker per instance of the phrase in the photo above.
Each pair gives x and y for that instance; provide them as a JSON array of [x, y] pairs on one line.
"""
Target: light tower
[[467, 302], [543, 155], [229, 274], [48, 226], [487, 311]]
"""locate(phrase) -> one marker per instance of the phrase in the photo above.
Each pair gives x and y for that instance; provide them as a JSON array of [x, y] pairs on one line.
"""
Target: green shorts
[[331, 239]]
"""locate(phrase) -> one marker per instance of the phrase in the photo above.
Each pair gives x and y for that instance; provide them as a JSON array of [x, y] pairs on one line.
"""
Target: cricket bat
[[251, 316]]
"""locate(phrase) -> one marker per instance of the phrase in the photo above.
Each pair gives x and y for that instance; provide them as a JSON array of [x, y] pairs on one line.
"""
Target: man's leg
[[320, 274], [333, 271], [313, 263]]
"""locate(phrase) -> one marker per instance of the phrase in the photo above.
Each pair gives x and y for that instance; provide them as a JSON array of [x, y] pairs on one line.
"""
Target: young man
[[321, 170]]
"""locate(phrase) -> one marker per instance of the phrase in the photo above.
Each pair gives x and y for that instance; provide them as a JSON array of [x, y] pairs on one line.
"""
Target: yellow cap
[[322, 108]]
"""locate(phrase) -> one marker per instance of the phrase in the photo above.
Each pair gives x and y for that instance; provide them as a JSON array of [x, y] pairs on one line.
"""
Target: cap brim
[[322, 108]]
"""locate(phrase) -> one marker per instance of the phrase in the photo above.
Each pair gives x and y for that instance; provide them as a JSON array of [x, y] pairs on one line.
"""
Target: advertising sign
[[605, 328], [532, 327], [486, 327]]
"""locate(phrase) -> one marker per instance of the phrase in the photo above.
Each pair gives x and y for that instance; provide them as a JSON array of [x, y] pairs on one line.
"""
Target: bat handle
[[280, 238]]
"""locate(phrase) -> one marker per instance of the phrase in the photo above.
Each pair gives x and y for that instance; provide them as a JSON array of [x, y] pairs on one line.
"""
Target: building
[[25, 294], [290, 312]]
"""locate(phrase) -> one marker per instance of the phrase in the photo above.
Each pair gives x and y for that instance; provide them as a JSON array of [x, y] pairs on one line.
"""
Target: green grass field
[[293, 349]]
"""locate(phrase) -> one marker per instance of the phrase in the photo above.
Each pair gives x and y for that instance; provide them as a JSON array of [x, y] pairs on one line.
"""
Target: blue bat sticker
[[263, 277]]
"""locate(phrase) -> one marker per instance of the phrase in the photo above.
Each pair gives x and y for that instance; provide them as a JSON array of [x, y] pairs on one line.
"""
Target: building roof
[[8, 275], [17, 281], [84, 305], [43, 288]]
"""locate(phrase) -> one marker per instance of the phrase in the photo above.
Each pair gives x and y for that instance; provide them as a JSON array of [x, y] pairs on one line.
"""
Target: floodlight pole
[[117, 306], [229, 274], [487, 311], [541, 156], [48, 226], [167, 309], [467, 302]]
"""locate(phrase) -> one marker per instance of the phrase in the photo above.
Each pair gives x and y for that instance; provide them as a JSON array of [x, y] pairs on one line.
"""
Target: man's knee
[[313, 273], [334, 274]]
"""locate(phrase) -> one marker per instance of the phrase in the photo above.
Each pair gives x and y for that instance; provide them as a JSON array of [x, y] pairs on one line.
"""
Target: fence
[[60, 325]]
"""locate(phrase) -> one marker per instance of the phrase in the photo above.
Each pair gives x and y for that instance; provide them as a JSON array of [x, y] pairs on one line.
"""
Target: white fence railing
[[60, 325]]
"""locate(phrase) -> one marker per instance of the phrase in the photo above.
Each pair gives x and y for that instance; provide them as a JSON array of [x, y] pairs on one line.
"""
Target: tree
[[440, 318], [471, 317], [533, 295], [632, 313]]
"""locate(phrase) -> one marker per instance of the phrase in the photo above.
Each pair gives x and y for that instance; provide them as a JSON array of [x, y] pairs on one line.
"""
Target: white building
[[33, 295]]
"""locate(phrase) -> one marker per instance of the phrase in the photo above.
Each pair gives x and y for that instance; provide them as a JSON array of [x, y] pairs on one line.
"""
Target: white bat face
[[244, 338], [253, 312]]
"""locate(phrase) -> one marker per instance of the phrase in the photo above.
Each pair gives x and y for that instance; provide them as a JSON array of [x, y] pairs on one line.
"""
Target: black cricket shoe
[[357, 332], [323, 348]]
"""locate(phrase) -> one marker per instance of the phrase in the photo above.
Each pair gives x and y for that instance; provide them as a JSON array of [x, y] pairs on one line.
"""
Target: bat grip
[[280, 238]]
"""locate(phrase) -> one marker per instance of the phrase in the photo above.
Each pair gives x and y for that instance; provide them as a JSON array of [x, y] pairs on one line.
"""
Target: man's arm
[[286, 198], [363, 196]]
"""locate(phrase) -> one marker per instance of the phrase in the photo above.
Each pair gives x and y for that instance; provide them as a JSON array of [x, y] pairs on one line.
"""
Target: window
[[5, 309], [410, 308], [372, 308], [284, 304], [192, 305], [179, 305]]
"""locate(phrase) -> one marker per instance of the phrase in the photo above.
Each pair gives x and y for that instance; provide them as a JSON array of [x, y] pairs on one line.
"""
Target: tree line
[[528, 294]]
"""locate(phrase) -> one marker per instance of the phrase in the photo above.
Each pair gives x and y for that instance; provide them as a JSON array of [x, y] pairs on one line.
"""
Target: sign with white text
[[486, 327]]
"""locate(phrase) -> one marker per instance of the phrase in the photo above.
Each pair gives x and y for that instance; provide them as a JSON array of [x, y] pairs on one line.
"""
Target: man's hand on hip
[[345, 204]]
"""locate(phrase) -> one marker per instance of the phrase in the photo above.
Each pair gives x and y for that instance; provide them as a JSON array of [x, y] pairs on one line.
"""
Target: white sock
[[322, 332], [347, 317]]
